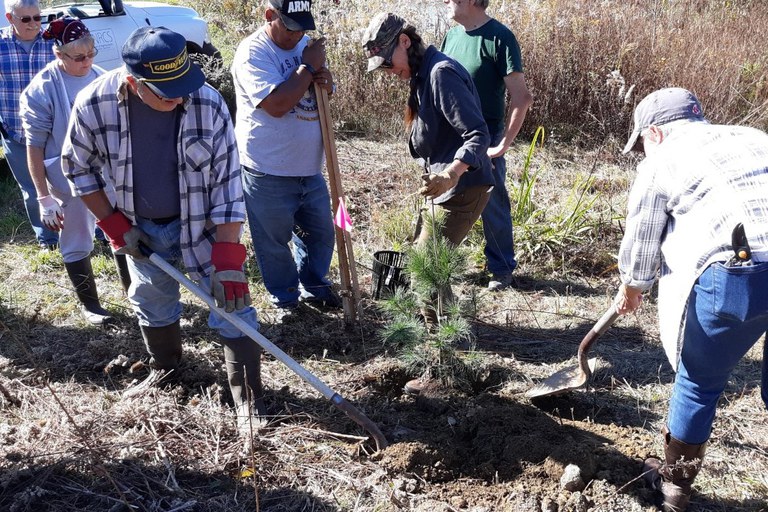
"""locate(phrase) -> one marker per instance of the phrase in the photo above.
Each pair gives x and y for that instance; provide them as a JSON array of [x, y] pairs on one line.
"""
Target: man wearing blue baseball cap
[[698, 216], [165, 140]]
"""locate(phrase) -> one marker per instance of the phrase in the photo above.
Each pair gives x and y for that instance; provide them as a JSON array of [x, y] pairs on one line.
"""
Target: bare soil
[[69, 440]]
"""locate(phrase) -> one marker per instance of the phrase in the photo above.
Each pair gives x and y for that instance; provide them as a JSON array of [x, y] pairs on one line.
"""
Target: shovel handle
[[602, 325], [336, 399]]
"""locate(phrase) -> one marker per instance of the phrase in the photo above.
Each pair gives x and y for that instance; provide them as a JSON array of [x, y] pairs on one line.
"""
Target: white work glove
[[50, 213]]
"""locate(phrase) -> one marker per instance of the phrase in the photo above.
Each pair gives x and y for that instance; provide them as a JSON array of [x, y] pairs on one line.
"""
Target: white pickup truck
[[112, 21]]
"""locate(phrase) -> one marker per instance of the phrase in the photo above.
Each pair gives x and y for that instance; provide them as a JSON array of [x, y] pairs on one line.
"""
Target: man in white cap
[[281, 151], [698, 215], [164, 138]]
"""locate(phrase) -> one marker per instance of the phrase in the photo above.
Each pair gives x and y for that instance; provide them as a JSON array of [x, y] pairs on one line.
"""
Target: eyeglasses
[[80, 58], [27, 19]]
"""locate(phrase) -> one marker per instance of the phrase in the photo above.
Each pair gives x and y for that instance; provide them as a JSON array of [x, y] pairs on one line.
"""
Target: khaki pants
[[461, 213]]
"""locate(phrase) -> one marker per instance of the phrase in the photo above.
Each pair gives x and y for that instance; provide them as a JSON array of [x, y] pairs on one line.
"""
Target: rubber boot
[[122, 271], [242, 357], [675, 476], [164, 347], [81, 274]]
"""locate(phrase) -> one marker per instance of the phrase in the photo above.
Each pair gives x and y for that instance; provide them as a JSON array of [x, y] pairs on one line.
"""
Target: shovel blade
[[562, 381]]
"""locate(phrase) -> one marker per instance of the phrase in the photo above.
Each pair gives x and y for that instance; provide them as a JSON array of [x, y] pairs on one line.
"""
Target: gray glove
[[230, 289], [132, 238]]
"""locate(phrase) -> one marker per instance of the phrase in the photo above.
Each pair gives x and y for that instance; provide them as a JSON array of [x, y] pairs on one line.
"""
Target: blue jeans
[[16, 157], [155, 295], [727, 315], [497, 219], [290, 209]]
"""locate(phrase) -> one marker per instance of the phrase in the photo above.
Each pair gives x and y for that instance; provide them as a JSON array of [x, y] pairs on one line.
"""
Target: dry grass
[[69, 441], [587, 63]]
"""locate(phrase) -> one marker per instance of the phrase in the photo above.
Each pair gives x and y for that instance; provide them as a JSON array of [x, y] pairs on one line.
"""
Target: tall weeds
[[545, 231], [581, 58], [575, 51]]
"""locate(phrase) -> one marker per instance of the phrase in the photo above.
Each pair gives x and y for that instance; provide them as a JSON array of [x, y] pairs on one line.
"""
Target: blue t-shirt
[[154, 146]]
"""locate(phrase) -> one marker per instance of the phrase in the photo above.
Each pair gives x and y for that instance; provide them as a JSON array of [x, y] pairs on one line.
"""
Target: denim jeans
[[155, 295], [283, 209], [497, 219], [16, 158], [727, 315]]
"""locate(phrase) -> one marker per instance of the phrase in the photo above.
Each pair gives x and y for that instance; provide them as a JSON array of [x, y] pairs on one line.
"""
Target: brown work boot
[[674, 477], [421, 386]]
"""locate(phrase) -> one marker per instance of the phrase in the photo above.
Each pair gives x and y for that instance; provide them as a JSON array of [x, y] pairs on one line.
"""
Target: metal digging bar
[[336, 399]]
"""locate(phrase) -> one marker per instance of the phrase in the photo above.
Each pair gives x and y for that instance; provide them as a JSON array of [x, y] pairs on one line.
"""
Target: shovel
[[337, 400], [575, 376]]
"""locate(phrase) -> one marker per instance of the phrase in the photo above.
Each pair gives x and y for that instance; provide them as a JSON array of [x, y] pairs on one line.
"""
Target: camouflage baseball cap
[[380, 38]]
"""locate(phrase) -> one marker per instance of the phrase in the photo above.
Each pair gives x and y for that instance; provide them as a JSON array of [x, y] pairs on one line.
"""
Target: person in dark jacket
[[446, 131], [444, 120]]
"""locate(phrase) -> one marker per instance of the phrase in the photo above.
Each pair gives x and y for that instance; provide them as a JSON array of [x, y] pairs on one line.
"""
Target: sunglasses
[[27, 19], [80, 58], [152, 91], [387, 64]]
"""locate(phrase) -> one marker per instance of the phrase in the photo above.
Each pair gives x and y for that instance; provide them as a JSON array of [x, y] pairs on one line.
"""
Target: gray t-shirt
[[74, 84], [154, 140], [291, 145]]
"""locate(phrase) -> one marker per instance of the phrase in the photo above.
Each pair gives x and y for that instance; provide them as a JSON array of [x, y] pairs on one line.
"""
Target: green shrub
[[542, 233], [437, 348]]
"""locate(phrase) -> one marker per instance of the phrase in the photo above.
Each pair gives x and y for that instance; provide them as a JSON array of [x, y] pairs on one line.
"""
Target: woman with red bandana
[[45, 106]]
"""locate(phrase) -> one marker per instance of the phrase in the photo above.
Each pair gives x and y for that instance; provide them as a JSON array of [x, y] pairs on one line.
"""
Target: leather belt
[[165, 220]]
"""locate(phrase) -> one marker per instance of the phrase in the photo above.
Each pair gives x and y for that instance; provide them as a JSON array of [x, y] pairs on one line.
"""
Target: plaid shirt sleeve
[[227, 203], [640, 253], [86, 150], [211, 193]]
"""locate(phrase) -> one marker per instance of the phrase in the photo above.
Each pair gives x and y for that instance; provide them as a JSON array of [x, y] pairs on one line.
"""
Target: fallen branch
[[10, 398]]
